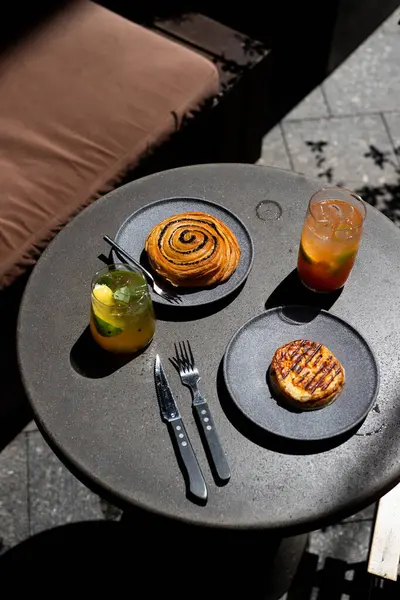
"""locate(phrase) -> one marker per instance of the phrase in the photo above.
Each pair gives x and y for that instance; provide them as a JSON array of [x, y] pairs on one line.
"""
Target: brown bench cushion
[[82, 100]]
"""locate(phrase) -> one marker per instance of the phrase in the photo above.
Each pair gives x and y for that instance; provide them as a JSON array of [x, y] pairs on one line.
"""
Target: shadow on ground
[[100, 557], [338, 580], [149, 556], [15, 411]]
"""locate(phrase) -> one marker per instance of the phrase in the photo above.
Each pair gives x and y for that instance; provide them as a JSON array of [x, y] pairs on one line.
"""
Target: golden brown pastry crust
[[306, 374], [193, 249]]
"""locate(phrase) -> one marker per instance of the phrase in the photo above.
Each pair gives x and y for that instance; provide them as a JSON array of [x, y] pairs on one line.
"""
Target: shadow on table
[[89, 360], [194, 313], [291, 291], [267, 440]]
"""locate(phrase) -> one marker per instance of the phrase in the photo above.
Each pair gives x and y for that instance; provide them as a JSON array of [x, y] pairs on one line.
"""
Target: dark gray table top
[[106, 423]]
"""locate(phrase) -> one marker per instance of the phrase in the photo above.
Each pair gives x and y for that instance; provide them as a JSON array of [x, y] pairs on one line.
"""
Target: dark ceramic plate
[[133, 233], [249, 354]]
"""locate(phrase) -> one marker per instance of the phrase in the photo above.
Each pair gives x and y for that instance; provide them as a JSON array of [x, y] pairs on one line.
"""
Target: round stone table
[[101, 415]]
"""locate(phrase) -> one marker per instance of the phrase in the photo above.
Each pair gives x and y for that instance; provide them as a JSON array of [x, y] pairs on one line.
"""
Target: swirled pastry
[[306, 374], [193, 249]]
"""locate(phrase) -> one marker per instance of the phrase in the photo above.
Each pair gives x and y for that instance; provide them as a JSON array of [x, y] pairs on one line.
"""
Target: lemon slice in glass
[[103, 294], [306, 253], [106, 324]]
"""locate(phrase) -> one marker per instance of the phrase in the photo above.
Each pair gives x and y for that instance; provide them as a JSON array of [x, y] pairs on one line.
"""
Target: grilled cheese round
[[306, 374]]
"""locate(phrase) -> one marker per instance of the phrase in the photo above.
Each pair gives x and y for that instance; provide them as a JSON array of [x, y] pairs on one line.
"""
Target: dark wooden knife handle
[[213, 447], [193, 475]]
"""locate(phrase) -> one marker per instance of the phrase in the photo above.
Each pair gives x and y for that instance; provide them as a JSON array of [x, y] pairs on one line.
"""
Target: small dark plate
[[133, 233], [249, 354]]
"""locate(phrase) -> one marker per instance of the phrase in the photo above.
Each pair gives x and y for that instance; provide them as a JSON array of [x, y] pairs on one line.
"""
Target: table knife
[[170, 414]]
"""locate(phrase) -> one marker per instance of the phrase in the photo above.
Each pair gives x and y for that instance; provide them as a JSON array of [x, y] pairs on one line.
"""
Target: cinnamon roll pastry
[[193, 249]]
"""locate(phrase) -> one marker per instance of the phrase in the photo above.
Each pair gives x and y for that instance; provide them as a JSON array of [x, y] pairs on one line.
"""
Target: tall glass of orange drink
[[330, 238], [122, 316]]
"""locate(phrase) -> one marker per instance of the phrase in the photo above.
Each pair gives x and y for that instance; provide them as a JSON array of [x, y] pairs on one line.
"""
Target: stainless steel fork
[[174, 299], [184, 363]]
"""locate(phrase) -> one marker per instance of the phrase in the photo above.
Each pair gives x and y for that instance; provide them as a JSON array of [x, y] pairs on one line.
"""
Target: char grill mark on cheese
[[302, 354]]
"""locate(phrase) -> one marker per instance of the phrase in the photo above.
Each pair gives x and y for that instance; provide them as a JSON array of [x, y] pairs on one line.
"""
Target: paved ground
[[346, 132]]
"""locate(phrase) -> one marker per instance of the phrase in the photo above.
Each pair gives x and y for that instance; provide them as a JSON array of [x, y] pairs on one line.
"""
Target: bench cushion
[[81, 101]]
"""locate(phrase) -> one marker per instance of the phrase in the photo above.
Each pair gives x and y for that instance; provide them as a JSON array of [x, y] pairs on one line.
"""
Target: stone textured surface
[[369, 79], [93, 420], [274, 153], [14, 524], [313, 106], [393, 123], [349, 151], [392, 23], [31, 427], [348, 541], [56, 496], [334, 566]]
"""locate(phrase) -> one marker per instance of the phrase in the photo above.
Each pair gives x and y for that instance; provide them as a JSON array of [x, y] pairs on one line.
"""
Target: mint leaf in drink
[[132, 292], [123, 294]]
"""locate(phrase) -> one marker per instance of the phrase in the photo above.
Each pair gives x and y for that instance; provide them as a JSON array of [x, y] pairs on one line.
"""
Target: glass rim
[[342, 189], [106, 269]]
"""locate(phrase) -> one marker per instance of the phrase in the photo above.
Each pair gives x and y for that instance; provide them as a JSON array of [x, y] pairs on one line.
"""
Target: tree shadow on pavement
[[385, 196]]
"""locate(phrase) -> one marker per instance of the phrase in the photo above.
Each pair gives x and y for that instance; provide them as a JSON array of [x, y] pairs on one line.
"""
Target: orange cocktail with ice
[[330, 239]]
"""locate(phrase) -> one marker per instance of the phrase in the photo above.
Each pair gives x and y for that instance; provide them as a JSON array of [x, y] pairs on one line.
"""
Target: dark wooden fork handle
[[216, 455]]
